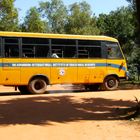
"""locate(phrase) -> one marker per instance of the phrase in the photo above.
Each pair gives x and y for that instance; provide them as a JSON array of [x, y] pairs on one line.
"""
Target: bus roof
[[59, 36]]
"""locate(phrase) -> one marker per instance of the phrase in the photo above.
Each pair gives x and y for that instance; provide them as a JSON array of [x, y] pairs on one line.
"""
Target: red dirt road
[[64, 114]]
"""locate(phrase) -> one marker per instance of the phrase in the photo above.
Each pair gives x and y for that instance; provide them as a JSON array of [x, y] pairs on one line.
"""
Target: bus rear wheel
[[23, 89], [37, 86], [110, 83]]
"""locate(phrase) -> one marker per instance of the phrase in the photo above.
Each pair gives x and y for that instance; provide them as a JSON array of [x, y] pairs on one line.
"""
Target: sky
[[97, 6]]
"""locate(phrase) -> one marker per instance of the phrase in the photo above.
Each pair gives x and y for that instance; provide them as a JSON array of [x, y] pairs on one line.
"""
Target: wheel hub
[[111, 83], [38, 85]]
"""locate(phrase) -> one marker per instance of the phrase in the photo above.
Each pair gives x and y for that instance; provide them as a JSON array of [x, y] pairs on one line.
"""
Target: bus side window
[[83, 52], [113, 50], [57, 52], [54, 54], [89, 49], [63, 48], [95, 52], [70, 52], [11, 47], [35, 47]]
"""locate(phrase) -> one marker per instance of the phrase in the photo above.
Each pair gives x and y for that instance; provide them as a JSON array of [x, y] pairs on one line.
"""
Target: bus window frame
[[104, 50], [113, 58], [3, 46], [63, 45], [103, 46], [90, 46], [33, 44]]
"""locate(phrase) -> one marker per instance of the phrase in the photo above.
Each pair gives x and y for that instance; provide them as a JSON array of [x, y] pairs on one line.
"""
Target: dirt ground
[[64, 113]]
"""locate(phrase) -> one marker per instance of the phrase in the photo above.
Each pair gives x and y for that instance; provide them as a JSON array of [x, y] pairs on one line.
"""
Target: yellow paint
[[63, 36], [10, 75]]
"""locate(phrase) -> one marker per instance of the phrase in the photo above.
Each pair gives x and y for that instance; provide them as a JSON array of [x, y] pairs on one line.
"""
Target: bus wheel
[[37, 86], [23, 89], [110, 83]]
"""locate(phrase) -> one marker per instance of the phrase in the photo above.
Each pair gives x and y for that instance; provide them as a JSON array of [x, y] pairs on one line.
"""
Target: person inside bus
[[54, 54]]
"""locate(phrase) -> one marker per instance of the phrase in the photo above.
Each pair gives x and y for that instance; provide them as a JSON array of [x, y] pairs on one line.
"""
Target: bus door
[[91, 65], [116, 63], [11, 60]]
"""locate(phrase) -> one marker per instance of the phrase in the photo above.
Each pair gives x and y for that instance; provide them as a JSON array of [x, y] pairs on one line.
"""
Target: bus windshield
[[114, 51]]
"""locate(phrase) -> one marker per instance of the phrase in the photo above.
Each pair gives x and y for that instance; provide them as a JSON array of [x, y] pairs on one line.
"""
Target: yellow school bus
[[31, 61]]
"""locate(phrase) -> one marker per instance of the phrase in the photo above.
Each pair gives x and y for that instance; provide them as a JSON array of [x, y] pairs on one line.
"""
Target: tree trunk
[[138, 16], [138, 10]]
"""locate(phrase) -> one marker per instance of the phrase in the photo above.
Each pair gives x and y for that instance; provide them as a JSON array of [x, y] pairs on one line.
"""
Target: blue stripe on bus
[[117, 66], [110, 65], [101, 64], [62, 65]]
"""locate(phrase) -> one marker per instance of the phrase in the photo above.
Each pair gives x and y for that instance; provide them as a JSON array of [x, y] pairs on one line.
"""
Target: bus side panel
[[33, 67], [63, 71], [92, 71], [117, 67], [10, 71]]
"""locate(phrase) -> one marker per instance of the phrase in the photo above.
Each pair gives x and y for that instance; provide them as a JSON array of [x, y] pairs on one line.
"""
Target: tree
[[138, 10], [134, 62], [80, 20], [135, 56], [8, 16], [121, 25], [136, 6], [33, 22], [55, 13]]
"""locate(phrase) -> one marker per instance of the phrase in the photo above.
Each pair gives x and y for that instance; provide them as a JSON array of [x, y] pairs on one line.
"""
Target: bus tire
[[110, 83], [37, 86], [23, 89]]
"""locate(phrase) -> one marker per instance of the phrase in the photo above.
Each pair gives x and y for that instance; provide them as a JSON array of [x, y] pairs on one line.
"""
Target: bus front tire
[[110, 83], [37, 86]]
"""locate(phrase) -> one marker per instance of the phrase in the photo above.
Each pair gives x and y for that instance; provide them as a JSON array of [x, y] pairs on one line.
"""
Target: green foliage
[[134, 63], [80, 20], [33, 22], [119, 24], [134, 58], [8, 16], [135, 4], [55, 13], [132, 3]]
